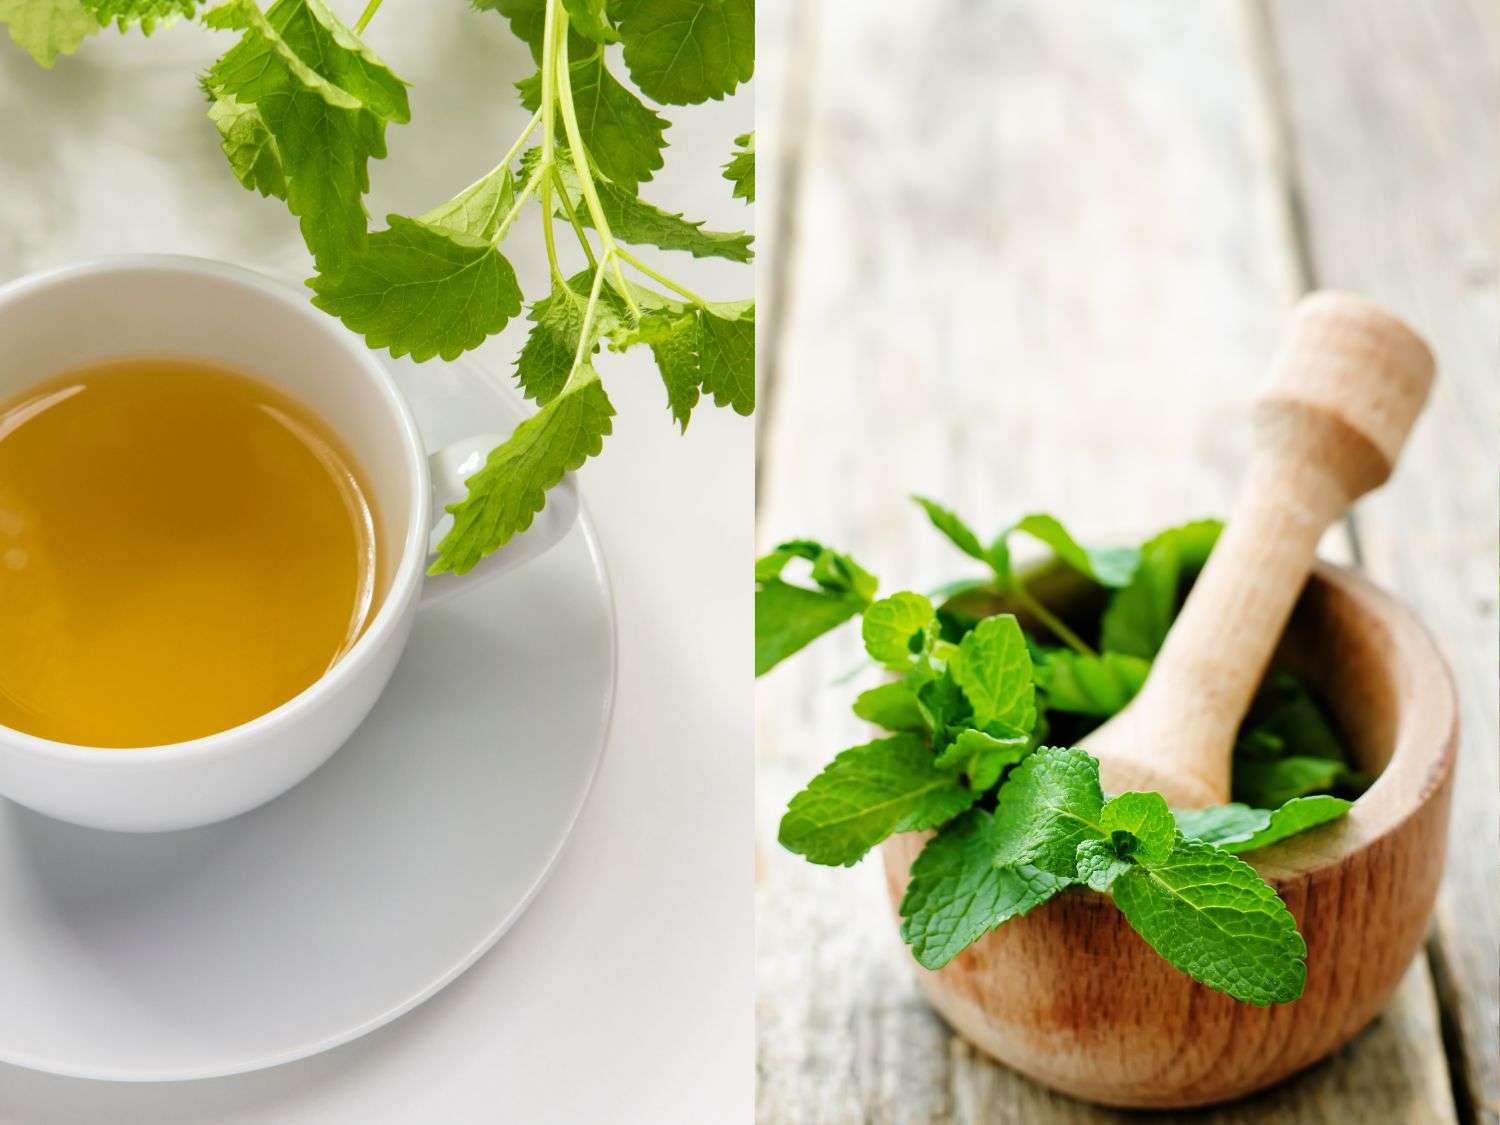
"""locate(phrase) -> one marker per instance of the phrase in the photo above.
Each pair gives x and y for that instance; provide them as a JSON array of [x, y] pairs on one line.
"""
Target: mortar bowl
[[1072, 997]]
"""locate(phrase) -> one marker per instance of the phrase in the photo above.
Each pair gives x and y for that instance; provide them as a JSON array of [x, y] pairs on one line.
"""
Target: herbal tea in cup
[[182, 549]]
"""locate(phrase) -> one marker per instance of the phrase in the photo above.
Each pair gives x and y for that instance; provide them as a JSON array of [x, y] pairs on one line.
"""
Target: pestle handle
[[1343, 392]]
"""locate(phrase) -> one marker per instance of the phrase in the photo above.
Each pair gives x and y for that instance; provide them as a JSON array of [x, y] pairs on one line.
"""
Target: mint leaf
[[943, 704], [1288, 718], [1109, 566], [1220, 824], [1238, 828], [511, 488], [623, 135], [1100, 864], [1269, 784], [958, 532], [957, 895], [789, 617], [422, 290], [681, 52], [892, 706], [1049, 805], [894, 625], [867, 793], [1212, 916], [1090, 685], [249, 146], [993, 667], [984, 756], [45, 29], [1147, 821], [740, 170], [1138, 616]]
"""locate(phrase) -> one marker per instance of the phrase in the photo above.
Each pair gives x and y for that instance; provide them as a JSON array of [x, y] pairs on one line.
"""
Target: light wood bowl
[[1070, 995]]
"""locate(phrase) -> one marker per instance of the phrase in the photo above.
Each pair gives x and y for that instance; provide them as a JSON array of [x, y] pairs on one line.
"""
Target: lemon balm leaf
[[623, 135], [740, 170], [249, 146], [148, 14], [47, 29], [558, 321], [422, 290], [681, 52], [506, 494]]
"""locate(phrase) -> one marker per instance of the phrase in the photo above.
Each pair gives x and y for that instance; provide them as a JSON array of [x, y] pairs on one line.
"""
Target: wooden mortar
[[1070, 995]]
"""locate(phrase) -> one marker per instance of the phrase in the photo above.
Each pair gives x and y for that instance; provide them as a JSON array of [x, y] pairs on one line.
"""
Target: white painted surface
[[623, 994]]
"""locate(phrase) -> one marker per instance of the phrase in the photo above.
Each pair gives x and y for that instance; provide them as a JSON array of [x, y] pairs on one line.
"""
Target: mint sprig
[[972, 699]]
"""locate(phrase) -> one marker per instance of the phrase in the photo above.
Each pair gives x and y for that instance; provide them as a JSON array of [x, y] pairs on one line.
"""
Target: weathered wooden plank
[[1392, 111], [1020, 234]]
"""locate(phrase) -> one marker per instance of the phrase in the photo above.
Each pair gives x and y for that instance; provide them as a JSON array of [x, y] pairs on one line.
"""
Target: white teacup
[[190, 308]]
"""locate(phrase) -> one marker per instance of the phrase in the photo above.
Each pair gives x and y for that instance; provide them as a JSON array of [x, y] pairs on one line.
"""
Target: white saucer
[[332, 910]]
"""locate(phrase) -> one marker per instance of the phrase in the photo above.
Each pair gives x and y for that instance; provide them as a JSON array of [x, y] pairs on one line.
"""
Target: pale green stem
[[580, 165], [567, 205], [515, 208], [660, 278], [366, 16], [1049, 619]]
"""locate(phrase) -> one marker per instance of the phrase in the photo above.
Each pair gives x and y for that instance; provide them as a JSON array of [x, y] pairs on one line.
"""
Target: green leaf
[[624, 137], [511, 488], [1147, 820], [1269, 784], [1099, 864], [325, 98], [589, 19], [479, 209], [632, 220], [957, 895], [1286, 716], [892, 624], [740, 170], [1109, 566], [943, 703], [984, 756], [709, 348], [527, 19], [1238, 828], [1212, 916], [248, 144], [1049, 805], [546, 360], [422, 290], [958, 532], [1138, 616], [993, 667], [681, 52], [867, 793], [45, 29], [788, 617], [149, 14], [1090, 685], [892, 706]]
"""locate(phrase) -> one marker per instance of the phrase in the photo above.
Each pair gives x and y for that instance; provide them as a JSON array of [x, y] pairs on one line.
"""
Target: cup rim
[[405, 582]]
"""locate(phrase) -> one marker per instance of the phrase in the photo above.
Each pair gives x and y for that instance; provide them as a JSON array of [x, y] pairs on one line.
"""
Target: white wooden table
[[617, 997], [1002, 239]]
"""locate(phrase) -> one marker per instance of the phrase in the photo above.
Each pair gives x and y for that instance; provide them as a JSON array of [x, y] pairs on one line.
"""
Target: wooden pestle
[[1342, 394]]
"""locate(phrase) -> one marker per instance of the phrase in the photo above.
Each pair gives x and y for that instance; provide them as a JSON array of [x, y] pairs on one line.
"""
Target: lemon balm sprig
[[302, 105]]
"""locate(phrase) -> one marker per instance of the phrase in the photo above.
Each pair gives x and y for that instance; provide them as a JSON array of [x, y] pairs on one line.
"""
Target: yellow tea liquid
[[181, 550]]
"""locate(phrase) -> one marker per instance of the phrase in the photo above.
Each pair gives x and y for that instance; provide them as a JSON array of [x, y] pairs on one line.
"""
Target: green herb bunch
[[984, 695], [301, 104]]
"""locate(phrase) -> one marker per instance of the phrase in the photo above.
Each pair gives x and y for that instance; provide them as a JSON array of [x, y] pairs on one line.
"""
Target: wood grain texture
[[1392, 112], [1072, 996], [1044, 260]]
